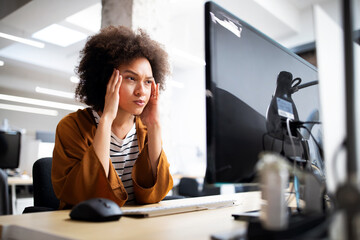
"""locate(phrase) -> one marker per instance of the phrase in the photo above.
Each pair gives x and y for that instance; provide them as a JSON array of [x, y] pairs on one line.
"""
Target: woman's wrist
[[105, 120], [101, 141], [153, 127], [154, 145]]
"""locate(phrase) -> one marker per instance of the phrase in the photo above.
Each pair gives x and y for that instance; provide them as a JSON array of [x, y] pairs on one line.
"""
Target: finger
[[111, 81], [153, 90], [115, 80], [157, 90], [118, 84]]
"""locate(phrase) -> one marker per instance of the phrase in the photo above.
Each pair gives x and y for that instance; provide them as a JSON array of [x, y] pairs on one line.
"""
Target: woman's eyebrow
[[134, 73], [129, 71]]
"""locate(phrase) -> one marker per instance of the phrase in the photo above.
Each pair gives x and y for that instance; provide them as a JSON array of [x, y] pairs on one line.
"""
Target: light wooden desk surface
[[13, 182], [20, 180], [194, 225]]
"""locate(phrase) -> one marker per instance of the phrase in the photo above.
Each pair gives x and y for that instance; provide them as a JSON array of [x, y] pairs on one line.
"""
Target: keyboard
[[177, 208]]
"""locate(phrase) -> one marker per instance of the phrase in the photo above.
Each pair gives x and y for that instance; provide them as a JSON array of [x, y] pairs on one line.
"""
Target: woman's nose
[[140, 89]]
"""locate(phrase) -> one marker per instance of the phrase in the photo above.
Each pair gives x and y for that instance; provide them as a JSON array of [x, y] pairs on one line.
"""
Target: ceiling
[[27, 67]]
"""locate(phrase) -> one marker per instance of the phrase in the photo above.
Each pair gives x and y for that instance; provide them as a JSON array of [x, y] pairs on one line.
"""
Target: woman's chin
[[137, 112]]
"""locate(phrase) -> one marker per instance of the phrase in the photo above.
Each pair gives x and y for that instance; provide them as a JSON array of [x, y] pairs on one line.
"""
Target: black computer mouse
[[96, 210]]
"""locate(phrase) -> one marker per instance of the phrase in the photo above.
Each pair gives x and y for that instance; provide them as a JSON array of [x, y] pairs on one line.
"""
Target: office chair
[[189, 187], [4, 194], [44, 196]]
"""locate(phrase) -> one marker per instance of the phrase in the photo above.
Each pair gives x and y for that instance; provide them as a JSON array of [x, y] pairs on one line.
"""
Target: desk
[[194, 225], [13, 182]]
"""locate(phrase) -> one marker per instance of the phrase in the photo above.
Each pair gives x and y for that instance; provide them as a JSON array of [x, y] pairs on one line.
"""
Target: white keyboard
[[177, 208]]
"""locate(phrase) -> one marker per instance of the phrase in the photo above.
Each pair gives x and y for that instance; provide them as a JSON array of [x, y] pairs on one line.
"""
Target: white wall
[[306, 33], [183, 118]]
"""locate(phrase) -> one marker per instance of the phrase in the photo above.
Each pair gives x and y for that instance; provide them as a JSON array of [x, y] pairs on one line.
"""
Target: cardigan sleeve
[[77, 173], [146, 188]]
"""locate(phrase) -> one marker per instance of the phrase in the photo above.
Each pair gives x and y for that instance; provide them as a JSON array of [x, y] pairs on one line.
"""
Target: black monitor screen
[[9, 149], [242, 66]]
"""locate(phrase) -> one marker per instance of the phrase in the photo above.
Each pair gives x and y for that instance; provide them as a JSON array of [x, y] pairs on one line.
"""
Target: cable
[[296, 87], [297, 82], [296, 180], [306, 149], [334, 160], [290, 135], [337, 151], [316, 143]]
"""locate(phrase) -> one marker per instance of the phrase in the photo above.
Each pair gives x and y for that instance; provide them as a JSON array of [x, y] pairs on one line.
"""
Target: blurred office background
[[37, 81]]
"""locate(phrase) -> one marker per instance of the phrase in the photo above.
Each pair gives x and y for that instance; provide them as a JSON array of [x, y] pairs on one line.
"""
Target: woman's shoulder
[[80, 118]]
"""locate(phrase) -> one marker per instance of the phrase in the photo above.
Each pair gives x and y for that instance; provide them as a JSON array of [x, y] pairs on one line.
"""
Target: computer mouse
[[96, 210]]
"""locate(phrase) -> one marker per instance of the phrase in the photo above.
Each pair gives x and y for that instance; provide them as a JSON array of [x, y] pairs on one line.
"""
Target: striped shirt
[[123, 154]]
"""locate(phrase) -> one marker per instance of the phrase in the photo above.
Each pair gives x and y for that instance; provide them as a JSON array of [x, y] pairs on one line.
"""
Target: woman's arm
[[77, 173], [154, 146], [103, 133], [148, 189], [150, 117]]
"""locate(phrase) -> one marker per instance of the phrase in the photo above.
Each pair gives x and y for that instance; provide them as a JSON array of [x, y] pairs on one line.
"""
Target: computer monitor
[[242, 66], [10, 143]]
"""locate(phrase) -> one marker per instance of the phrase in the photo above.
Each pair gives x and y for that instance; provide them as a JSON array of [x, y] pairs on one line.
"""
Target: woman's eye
[[131, 78], [149, 82]]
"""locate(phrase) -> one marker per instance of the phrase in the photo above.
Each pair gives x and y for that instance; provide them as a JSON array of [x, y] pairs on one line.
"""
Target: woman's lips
[[140, 103]]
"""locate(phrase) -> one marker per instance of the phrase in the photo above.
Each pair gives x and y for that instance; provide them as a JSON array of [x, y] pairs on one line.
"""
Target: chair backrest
[[189, 187], [4, 194], [44, 195]]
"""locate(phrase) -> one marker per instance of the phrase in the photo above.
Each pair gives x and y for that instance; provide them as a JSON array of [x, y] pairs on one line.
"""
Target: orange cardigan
[[77, 174]]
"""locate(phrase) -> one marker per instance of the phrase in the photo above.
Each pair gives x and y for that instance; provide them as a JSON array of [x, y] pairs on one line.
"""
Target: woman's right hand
[[101, 141], [112, 96]]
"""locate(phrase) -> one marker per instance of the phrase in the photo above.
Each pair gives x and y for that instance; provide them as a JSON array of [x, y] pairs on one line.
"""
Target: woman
[[113, 148]]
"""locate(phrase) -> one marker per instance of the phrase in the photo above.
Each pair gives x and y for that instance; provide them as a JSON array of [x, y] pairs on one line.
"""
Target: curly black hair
[[107, 50]]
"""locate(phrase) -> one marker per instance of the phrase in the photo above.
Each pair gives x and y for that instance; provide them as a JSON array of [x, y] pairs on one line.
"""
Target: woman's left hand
[[150, 114]]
